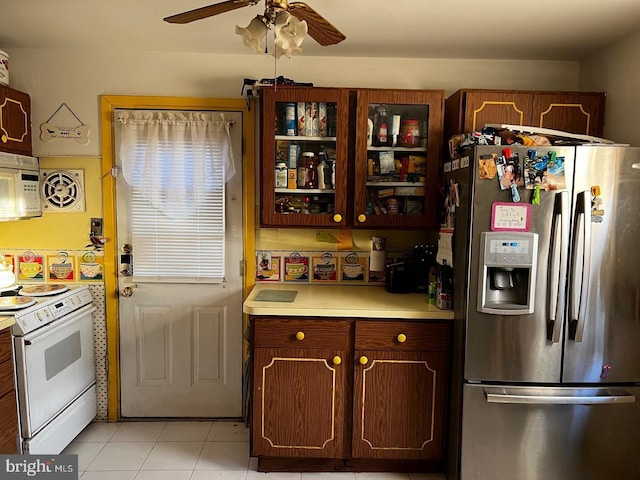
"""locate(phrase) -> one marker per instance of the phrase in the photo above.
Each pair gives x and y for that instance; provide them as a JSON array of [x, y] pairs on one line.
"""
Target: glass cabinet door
[[304, 156], [398, 142]]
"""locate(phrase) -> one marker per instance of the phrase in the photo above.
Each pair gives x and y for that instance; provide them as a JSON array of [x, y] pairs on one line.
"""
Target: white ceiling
[[540, 29]]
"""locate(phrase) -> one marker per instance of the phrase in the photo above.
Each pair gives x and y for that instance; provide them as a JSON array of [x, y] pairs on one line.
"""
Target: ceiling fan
[[318, 27]]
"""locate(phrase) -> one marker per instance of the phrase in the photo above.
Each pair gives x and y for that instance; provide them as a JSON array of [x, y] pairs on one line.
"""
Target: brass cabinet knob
[[300, 336], [402, 338], [337, 360], [362, 218], [363, 360], [4, 139], [337, 218]]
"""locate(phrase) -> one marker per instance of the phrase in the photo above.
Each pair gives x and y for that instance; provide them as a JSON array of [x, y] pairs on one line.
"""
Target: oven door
[[54, 365]]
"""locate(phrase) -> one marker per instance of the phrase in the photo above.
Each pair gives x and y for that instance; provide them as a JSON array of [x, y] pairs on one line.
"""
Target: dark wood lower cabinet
[[8, 403], [399, 400], [299, 403], [374, 402]]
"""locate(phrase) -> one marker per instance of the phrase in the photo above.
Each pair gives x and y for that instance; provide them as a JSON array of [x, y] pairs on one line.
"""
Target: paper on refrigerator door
[[445, 250]]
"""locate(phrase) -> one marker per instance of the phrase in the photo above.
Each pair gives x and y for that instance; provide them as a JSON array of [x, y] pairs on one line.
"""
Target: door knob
[[363, 360], [126, 292], [337, 360]]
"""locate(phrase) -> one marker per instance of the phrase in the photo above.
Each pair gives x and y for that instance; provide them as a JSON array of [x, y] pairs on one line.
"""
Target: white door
[[181, 343]]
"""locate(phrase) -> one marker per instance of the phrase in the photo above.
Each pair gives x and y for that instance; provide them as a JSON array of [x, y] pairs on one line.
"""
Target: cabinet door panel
[[496, 107], [399, 400], [419, 336], [15, 121], [8, 423], [292, 206], [5, 344], [575, 113], [299, 403], [395, 185], [281, 332]]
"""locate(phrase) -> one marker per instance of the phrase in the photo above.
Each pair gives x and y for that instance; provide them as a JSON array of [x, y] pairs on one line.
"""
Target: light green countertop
[[341, 301]]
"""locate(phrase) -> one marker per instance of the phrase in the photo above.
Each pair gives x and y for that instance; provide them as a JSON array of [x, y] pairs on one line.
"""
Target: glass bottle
[[380, 127]]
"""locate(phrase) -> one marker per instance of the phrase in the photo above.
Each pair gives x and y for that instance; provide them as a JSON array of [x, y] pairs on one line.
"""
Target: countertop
[[344, 301], [6, 322]]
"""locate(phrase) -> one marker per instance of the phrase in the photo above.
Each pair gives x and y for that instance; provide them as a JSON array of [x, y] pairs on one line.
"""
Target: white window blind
[[176, 165]]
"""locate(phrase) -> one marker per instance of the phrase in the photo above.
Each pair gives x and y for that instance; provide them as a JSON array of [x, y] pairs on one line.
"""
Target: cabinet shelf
[[395, 184], [397, 149], [316, 191], [304, 138]]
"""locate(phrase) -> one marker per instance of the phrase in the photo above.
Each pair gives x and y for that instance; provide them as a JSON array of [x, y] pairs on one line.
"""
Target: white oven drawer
[[54, 365]]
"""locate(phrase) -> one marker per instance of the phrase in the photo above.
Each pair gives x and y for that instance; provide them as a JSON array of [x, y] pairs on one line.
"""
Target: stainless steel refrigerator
[[547, 304]]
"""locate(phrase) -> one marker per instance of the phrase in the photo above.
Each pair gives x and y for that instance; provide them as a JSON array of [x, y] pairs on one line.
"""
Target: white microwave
[[19, 187]]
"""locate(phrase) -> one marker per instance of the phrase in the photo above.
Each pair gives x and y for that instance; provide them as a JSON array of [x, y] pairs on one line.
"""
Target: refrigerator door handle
[[621, 398], [558, 265], [580, 281]]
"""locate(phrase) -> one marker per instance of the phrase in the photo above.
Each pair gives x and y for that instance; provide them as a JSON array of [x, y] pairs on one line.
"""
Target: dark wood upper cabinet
[[368, 188], [468, 110], [15, 121]]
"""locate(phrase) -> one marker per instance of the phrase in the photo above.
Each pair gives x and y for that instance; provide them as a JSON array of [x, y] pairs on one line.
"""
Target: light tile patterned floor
[[185, 451]]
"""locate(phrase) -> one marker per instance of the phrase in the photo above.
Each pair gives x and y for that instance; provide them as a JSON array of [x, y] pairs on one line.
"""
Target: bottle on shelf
[[281, 175], [324, 174], [307, 171], [380, 130]]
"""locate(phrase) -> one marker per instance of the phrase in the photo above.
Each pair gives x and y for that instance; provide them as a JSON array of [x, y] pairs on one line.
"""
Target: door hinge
[[242, 268]]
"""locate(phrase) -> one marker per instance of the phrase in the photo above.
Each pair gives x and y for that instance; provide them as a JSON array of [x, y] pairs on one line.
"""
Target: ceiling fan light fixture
[[289, 32], [254, 33]]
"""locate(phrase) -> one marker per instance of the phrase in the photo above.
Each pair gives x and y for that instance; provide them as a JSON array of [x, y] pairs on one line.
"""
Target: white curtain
[[175, 159]]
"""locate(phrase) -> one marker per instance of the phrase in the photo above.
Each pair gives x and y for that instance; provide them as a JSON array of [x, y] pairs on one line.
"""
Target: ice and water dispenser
[[507, 273]]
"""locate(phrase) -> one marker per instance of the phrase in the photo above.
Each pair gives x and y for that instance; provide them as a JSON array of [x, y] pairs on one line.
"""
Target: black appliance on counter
[[412, 273]]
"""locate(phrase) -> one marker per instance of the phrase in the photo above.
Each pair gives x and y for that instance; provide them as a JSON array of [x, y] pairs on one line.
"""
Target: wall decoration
[[91, 267], [353, 268], [325, 268], [296, 268], [267, 267], [78, 133], [61, 267], [31, 267]]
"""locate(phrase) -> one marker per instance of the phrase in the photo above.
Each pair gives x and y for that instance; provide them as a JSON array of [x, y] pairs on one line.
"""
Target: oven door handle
[[50, 328]]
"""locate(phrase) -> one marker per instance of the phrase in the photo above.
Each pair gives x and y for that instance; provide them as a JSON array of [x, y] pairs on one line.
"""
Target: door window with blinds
[[176, 164]]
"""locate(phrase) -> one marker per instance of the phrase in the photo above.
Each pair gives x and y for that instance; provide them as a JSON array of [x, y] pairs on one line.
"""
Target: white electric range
[[54, 363]]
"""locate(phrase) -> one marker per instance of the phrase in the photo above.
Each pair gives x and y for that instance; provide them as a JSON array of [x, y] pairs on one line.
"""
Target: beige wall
[[616, 70], [78, 77]]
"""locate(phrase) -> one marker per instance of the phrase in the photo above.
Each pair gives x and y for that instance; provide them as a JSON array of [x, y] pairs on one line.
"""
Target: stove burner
[[43, 290], [15, 303], [10, 291]]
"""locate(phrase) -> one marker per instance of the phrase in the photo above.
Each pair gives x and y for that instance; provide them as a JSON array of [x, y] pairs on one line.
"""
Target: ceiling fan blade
[[319, 28], [209, 11]]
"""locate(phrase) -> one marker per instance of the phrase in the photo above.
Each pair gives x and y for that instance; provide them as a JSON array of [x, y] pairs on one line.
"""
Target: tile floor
[[195, 450]]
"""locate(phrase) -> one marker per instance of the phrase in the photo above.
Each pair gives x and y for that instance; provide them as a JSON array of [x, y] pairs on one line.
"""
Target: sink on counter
[[347, 378]]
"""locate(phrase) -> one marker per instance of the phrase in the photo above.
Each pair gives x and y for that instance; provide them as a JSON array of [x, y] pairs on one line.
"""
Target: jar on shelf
[[281, 175], [307, 171], [409, 133]]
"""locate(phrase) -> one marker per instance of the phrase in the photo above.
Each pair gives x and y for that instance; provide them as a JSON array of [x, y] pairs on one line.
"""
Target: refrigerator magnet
[[510, 217]]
